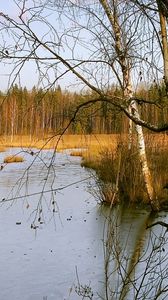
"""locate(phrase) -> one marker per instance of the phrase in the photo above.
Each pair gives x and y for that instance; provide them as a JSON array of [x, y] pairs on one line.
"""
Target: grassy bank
[[119, 171]]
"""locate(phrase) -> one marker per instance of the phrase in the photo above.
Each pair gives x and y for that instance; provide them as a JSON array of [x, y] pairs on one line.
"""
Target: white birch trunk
[[143, 159], [133, 108], [125, 65]]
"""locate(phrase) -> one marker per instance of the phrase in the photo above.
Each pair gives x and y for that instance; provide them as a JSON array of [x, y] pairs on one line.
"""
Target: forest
[[38, 112]]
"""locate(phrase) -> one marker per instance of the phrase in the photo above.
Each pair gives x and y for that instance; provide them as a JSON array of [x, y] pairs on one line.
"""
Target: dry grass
[[13, 159], [98, 141], [78, 153], [2, 148], [131, 184], [64, 142]]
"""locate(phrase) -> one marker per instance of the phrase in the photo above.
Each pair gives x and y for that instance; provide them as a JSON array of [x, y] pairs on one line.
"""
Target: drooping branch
[[120, 104], [158, 223]]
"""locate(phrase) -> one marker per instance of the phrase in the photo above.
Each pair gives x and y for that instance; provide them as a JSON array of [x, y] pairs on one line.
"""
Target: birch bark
[[124, 60], [144, 162], [133, 108]]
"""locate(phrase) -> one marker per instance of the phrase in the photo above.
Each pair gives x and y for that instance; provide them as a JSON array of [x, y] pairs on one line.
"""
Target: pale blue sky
[[8, 6], [29, 75], [98, 74]]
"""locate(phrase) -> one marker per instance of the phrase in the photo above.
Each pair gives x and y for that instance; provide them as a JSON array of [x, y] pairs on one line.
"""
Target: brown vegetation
[[13, 159], [123, 163], [2, 148], [61, 142], [77, 152]]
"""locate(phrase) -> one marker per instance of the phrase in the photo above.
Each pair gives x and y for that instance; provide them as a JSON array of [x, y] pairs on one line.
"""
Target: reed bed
[[13, 159], [2, 148], [59, 142], [119, 162], [77, 153]]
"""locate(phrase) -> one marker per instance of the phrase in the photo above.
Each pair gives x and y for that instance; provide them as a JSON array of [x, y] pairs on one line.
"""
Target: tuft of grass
[[77, 153], [13, 159], [2, 148]]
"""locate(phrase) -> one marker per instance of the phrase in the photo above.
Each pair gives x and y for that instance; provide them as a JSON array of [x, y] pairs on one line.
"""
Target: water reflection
[[135, 258]]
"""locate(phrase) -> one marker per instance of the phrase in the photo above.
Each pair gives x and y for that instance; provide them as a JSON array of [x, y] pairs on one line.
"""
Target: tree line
[[38, 112]]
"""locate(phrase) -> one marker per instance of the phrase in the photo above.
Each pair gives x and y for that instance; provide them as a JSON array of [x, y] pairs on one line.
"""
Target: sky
[[8, 7], [29, 75], [97, 74]]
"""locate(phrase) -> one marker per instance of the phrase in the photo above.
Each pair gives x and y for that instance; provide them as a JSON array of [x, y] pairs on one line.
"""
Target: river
[[52, 244]]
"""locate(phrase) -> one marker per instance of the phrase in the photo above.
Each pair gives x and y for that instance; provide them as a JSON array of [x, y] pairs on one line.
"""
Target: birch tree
[[121, 44], [99, 42]]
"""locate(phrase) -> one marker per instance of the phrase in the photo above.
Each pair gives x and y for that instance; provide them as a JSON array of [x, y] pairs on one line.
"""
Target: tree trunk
[[163, 28], [133, 108], [125, 65], [144, 163]]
